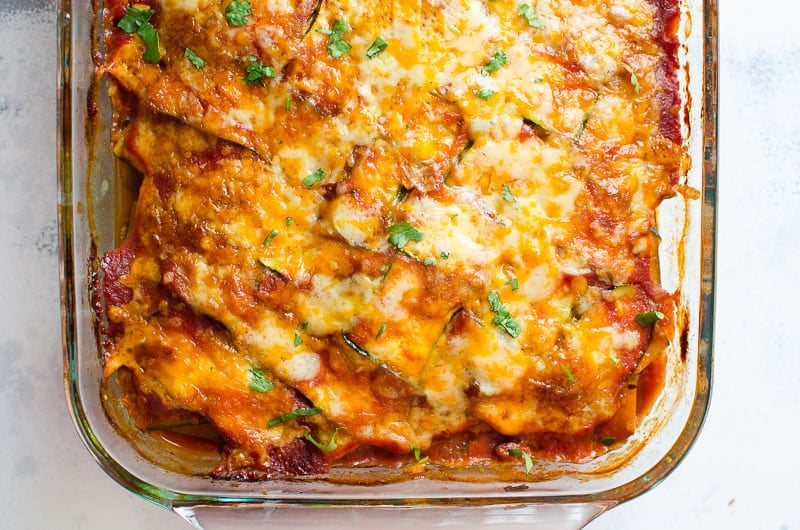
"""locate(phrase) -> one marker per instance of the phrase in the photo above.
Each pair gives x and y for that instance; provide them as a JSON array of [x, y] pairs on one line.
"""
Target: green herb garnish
[[256, 72], [313, 178], [527, 12], [381, 330], [401, 233], [503, 318], [376, 48], [289, 221], [444, 255], [505, 191], [648, 318], [269, 238], [519, 453], [570, 377], [485, 93], [418, 455], [296, 413], [337, 46], [237, 12], [297, 340], [193, 58], [287, 104], [608, 440], [328, 447], [514, 283], [137, 21], [613, 359], [259, 383], [429, 261], [634, 80], [498, 59]]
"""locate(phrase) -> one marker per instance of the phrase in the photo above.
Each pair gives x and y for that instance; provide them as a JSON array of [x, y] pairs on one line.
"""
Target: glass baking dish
[[93, 189]]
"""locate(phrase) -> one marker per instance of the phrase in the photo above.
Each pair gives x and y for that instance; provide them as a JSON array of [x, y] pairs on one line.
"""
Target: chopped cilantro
[[401, 233], [503, 318], [337, 46], [269, 238], [514, 283], [376, 48], [647, 318], [149, 36], [237, 12], [418, 455], [506, 193], [570, 377], [287, 104], [527, 12], [256, 72], [137, 21], [608, 440], [429, 261], [444, 255], [313, 177], [296, 413], [485, 93], [381, 330], [328, 447], [134, 19], [519, 453], [613, 359], [193, 58], [289, 221], [498, 59], [258, 383], [297, 340], [634, 80]]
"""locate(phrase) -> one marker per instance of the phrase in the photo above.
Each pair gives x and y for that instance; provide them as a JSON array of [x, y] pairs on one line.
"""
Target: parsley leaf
[[403, 232], [503, 318], [498, 59], [256, 72], [376, 48], [193, 58], [269, 238], [258, 383], [506, 193], [485, 93], [134, 19], [296, 413], [648, 318], [519, 453], [529, 14], [328, 447], [634, 80], [337, 46], [313, 178], [237, 12]]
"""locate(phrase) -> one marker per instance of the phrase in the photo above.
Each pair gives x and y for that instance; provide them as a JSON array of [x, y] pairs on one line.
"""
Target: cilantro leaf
[[418, 455], [328, 447], [296, 413], [514, 283], [149, 36], [498, 59], [376, 48], [570, 377], [503, 318], [297, 340], [313, 177], [634, 80], [485, 93], [256, 72], [258, 383], [403, 232], [506, 193], [529, 14], [380, 331], [134, 19], [269, 238], [649, 317], [337, 46], [193, 58], [519, 453], [237, 12]]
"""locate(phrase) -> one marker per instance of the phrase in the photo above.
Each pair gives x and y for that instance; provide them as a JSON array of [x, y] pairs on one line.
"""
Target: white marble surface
[[742, 474]]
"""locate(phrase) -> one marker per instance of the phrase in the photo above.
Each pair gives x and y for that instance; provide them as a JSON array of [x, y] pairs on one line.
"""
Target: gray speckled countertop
[[742, 473]]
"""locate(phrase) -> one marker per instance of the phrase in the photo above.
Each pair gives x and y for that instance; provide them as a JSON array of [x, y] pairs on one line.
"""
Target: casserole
[[93, 193]]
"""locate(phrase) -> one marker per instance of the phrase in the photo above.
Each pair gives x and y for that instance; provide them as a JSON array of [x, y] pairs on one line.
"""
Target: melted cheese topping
[[455, 231]]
